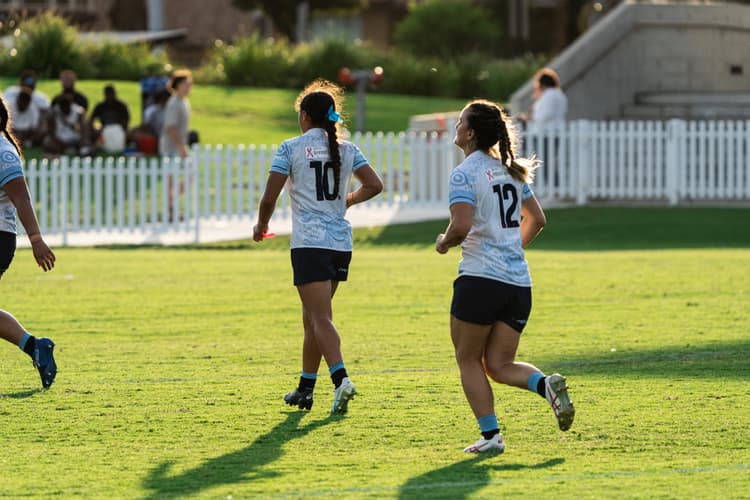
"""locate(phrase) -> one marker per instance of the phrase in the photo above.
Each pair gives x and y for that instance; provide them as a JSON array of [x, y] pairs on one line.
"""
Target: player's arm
[[371, 186], [462, 216], [18, 193], [274, 185], [532, 220]]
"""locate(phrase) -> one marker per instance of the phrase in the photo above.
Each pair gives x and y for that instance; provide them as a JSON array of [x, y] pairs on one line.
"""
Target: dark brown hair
[[497, 136], [6, 126], [317, 99]]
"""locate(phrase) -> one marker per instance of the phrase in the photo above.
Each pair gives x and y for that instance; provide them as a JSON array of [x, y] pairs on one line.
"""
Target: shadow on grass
[[721, 360], [464, 478], [240, 466], [20, 394]]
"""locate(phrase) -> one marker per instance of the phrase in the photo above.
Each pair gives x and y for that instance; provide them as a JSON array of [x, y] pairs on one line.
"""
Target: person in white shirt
[[28, 120], [493, 216], [27, 82], [316, 168], [550, 103], [68, 129]]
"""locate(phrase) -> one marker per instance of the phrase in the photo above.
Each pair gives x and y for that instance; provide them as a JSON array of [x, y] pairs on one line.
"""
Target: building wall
[[682, 51], [204, 24]]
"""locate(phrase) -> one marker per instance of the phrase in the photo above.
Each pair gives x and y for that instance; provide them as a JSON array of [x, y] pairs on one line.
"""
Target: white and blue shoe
[[341, 396]]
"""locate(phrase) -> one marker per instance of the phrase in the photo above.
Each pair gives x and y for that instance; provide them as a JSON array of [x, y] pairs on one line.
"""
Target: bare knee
[[496, 369]]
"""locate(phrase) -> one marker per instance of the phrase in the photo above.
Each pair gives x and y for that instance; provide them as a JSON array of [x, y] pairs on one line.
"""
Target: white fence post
[[582, 160], [675, 139]]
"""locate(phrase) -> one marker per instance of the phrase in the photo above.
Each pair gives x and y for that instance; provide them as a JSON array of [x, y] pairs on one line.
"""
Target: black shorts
[[484, 301], [7, 250], [319, 264]]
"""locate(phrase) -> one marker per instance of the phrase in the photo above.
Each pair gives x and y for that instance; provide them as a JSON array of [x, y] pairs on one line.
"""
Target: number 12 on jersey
[[507, 192]]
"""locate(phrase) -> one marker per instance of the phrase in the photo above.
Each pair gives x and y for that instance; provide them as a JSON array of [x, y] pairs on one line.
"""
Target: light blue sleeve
[[359, 159], [527, 192], [10, 167], [461, 189], [282, 162]]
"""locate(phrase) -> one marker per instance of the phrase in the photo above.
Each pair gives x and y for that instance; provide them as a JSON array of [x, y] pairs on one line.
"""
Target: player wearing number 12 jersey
[[317, 168], [494, 215]]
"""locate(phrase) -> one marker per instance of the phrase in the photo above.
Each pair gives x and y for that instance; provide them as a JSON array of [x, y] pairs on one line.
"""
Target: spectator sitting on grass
[[28, 120], [113, 117], [68, 133], [68, 82], [27, 82]]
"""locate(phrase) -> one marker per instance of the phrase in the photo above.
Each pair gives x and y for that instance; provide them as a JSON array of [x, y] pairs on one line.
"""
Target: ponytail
[[496, 135], [334, 153], [6, 126], [320, 100]]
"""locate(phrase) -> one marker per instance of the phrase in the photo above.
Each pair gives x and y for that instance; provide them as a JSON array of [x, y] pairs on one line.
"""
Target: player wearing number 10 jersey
[[494, 215], [317, 168]]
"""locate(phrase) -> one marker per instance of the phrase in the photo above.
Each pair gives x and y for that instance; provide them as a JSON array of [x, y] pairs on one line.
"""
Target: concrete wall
[[642, 48]]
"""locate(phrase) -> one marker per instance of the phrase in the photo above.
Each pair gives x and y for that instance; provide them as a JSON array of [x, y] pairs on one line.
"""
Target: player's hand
[[258, 232], [44, 256], [439, 247]]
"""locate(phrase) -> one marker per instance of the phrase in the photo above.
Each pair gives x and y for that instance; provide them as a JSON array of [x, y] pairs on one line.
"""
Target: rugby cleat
[[341, 396], [557, 396], [303, 399], [493, 445], [44, 361]]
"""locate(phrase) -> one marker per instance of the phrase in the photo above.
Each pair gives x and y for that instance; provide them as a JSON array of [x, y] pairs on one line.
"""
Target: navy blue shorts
[[7, 250], [484, 301], [319, 264]]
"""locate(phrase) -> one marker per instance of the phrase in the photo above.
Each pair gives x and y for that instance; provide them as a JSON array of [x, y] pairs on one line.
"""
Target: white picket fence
[[669, 162]]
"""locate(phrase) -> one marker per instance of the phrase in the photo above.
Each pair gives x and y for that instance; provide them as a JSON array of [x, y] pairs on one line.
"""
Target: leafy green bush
[[324, 59], [447, 29], [256, 61], [47, 44], [117, 61]]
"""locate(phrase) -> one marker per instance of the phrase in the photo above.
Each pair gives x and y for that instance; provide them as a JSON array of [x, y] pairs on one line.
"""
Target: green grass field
[[173, 362], [242, 115]]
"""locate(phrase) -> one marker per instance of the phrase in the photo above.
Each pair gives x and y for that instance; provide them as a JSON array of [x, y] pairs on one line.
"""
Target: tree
[[283, 13], [447, 29]]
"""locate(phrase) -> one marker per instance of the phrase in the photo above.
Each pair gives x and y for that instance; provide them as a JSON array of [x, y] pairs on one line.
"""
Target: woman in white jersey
[[14, 196], [317, 168], [494, 215]]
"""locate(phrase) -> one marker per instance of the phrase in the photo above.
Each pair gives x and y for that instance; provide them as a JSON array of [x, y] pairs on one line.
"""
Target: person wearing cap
[[27, 82], [28, 123]]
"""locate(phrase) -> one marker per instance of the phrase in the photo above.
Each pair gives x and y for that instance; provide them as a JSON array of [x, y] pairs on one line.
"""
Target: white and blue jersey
[[10, 168], [318, 205], [492, 249]]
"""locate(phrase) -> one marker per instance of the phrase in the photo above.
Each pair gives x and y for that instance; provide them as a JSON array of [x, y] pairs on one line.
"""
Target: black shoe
[[303, 398], [44, 361]]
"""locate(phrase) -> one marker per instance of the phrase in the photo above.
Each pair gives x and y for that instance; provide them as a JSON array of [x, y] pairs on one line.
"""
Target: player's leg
[[468, 341], [40, 349], [316, 299]]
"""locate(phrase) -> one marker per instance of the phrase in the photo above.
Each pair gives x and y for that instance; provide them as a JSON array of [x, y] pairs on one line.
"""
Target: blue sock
[[338, 373], [535, 381], [27, 343], [307, 381], [488, 425], [24, 339]]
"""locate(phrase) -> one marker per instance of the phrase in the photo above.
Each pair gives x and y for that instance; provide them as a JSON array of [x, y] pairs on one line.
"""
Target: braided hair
[[6, 127], [497, 136], [318, 100]]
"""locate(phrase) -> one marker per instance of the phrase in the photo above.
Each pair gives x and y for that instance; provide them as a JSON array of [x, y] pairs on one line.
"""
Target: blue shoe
[[44, 361]]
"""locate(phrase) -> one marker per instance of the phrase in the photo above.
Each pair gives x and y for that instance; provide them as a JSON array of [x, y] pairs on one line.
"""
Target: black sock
[[306, 384], [540, 387], [489, 434], [29, 347], [338, 376]]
